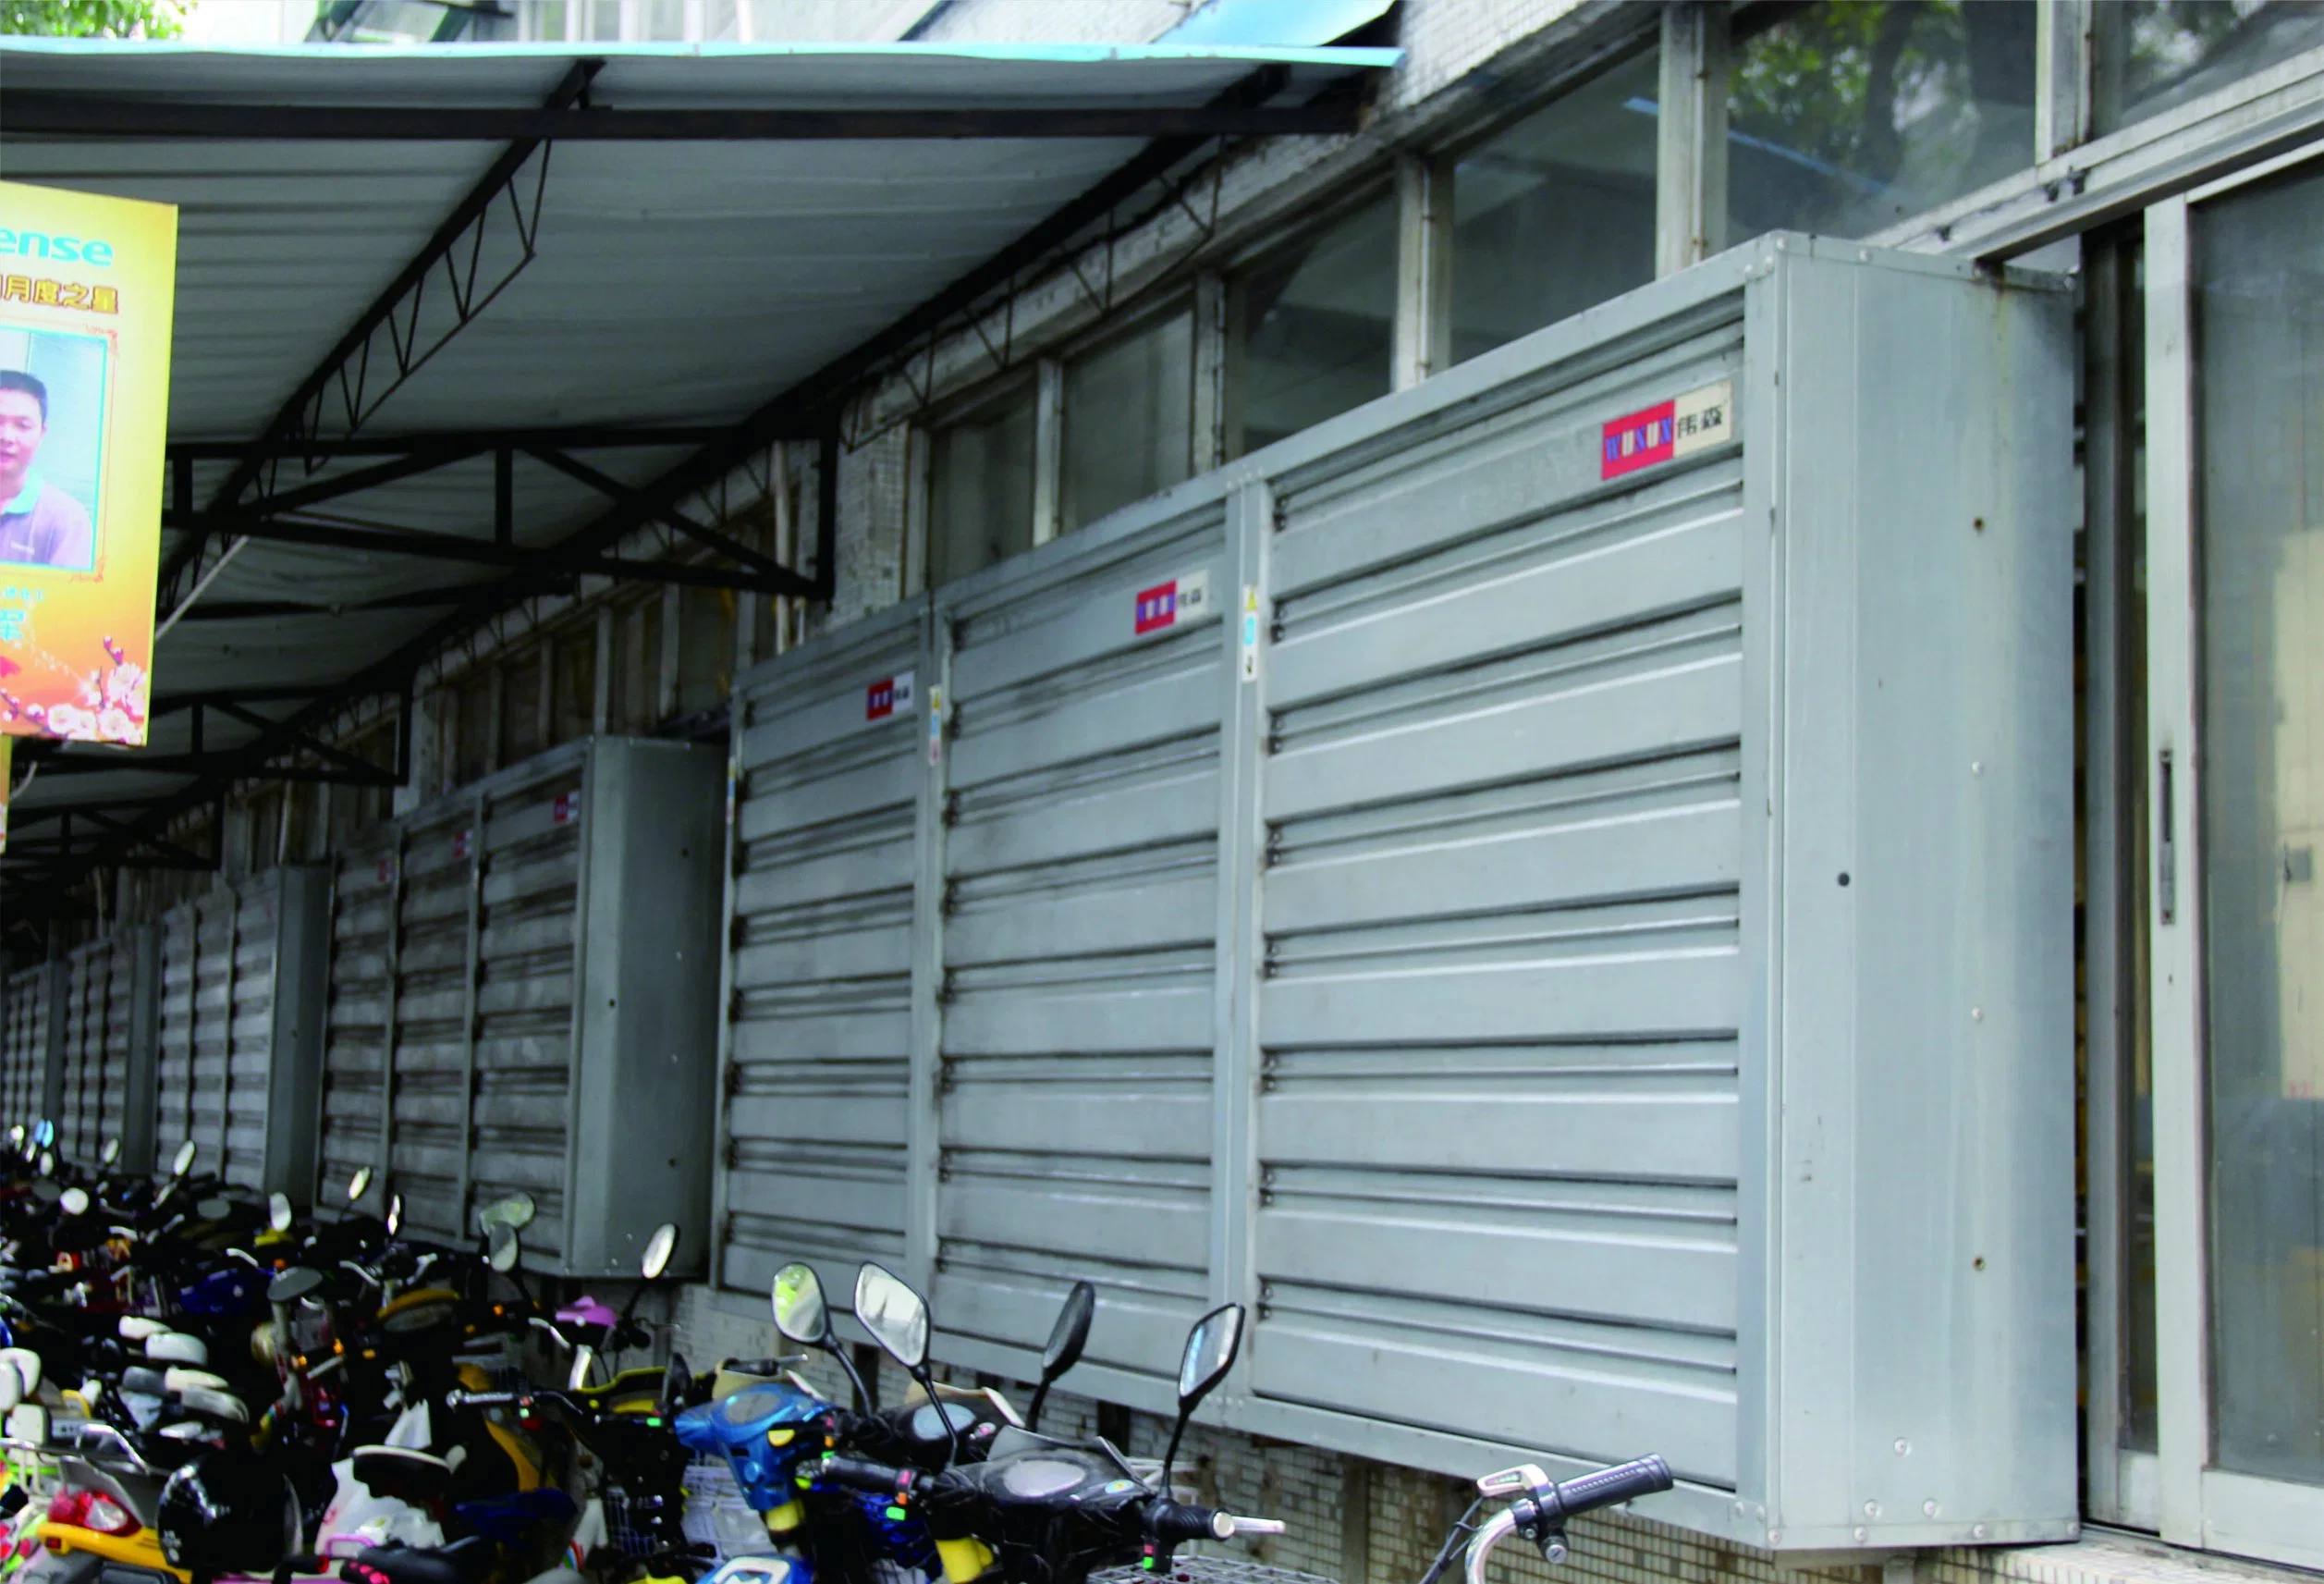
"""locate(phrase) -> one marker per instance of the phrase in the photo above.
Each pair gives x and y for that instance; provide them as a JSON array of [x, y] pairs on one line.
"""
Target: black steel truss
[[814, 405], [390, 342]]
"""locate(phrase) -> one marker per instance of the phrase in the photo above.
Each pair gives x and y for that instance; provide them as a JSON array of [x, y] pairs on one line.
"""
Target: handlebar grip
[[456, 1399], [862, 1474], [1171, 1523], [1623, 1482]]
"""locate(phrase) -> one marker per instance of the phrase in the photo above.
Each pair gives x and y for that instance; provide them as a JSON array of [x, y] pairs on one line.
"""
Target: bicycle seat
[[462, 1562]]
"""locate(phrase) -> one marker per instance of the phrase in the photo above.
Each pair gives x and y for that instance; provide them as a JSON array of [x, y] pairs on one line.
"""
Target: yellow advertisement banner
[[87, 286]]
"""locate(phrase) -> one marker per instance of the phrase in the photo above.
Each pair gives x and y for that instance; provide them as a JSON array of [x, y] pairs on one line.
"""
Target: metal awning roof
[[629, 267]]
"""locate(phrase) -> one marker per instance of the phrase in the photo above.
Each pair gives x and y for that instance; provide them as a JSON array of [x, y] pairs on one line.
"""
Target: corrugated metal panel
[[458, 943], [1080, 942], [26, 1021], [106, 990], [529, 901], [818, 1042], [231, 988], [1498, 1025], [1564, 1037], [365, 890]]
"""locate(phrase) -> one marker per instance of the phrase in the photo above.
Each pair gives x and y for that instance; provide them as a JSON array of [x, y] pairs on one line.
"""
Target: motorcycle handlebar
[[1623, 1482], [860, 1474], [458, 1399]]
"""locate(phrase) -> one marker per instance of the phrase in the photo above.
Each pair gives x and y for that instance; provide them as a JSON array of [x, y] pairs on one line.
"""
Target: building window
[[2149, 56], [1844, 118], [471, 724], [637, 665], [1311, 330], [522, 680], [1129, 420], [980, 487], [1556, 213], [573, 683]]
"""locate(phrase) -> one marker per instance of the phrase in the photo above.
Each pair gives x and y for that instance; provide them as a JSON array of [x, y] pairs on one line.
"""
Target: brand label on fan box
[[1182, 599], [1667, 430], [889, 695]]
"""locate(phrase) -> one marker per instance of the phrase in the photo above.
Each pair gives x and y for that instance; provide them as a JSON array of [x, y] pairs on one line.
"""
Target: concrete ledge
[[2104, 1557]]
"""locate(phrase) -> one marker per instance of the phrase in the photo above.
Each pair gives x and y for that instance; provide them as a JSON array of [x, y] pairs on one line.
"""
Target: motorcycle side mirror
[[16, 1135], [182, 1162], [514, 1212], [359, 1184], [895, 1315], [1211, 1348], [658, 1249], [279, 1215], [298, 1282], [802, 1315], [45, 1134], [75, 1200], [110, 1156], [1067, 1339], [501, 1248], [395, 1214]]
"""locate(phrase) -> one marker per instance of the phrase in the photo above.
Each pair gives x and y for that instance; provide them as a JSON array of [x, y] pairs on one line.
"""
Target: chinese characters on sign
[[1692, 423], [889, 695], [84, 404], [1168, 604]]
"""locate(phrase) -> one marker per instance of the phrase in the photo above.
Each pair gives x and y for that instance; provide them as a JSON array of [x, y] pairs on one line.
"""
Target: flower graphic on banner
[[109, 704]]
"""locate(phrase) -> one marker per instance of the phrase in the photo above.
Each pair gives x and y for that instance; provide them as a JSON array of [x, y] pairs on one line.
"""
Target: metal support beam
[[341, 386], [30, 113], [450, 445], [521, 558]]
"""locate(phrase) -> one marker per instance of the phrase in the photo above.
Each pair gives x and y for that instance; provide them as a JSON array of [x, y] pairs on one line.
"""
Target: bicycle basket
[[1188, 1570]]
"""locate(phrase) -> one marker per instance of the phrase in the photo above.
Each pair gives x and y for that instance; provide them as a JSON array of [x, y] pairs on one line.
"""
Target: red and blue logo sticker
[[889, 696], [1666, 431], [1167, 604]]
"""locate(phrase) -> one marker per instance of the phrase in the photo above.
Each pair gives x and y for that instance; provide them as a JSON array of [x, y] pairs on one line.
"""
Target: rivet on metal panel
[[1863, 1534], [1775, 1537], [1977, 767], [1872, 1509], [1903, 1447], [1976, 1014], [1844, 877], [1928, 1509], [1740, 1509], [1978, 1532]]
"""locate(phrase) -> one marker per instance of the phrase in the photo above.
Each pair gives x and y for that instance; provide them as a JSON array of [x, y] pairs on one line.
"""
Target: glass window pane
[[2153, 54], [2259, 306], [1309, 331], [1556, 214], [521, 707], [706, 648], [1849, 116], [980, 488], [1129, 420], [573, 709]]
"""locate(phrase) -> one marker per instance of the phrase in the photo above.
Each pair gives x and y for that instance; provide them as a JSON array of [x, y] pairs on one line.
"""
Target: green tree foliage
[[94, 18]]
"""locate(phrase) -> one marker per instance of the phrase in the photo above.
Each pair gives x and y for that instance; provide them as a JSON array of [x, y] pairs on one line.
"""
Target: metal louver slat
[[1503, 818], [816, 1040], [462, 1065], [31, 1028], [1079, 941], [241, 1036], [1546, 953], [361, 1023]]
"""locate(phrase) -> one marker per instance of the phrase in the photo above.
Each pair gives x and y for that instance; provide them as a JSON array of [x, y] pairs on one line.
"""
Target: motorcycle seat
[[402, 1472], [463, 1561]]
